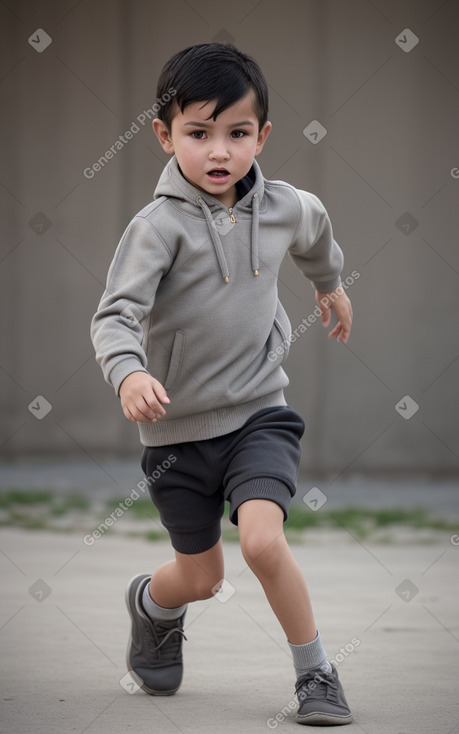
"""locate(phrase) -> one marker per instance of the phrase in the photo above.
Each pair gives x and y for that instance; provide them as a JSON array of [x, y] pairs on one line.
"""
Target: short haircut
[[211, 71]]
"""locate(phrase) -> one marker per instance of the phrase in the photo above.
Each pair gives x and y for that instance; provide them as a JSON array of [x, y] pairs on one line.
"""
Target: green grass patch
[[36, 509], [31, 497], [142, 509], [153, 535], [25, 497], [50, 510], [362, 520]]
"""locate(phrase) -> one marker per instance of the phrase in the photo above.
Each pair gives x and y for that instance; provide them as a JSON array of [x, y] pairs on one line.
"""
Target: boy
[[190, 320]]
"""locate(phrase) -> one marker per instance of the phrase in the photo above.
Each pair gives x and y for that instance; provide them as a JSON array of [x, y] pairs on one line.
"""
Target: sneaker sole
[[318, 718], [137, 679]]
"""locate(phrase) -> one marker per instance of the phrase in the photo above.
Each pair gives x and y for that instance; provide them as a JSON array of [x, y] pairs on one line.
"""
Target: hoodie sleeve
[[141, 260], [313, 249]]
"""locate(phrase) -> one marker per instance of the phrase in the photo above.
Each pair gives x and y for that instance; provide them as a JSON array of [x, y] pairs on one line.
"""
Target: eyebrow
[[203, 124]]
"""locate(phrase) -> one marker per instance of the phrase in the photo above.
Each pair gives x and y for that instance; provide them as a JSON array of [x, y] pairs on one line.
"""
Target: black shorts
[[189, 482]]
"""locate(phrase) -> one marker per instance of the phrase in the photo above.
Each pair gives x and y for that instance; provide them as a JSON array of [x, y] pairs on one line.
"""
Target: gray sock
[[158, 613], [309, 656]]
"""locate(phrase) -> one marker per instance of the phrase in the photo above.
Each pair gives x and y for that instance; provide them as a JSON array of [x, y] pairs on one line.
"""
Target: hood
[[193, 200]]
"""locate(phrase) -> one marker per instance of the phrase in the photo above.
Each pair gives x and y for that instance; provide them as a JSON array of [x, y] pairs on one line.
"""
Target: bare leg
[[266, 551], [188, 578]]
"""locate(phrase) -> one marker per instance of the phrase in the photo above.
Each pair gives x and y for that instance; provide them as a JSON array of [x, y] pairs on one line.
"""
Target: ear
[[262, 136], [163, 135]]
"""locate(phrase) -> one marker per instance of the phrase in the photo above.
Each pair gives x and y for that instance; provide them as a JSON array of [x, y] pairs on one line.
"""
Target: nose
[[219, 151]]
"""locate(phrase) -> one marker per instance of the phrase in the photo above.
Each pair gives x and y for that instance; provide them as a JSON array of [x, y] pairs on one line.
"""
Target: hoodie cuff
[[122, 370], [327, 285]]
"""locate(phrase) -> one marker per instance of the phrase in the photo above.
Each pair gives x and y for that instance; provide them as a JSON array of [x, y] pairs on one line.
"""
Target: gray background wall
[[391, 115]]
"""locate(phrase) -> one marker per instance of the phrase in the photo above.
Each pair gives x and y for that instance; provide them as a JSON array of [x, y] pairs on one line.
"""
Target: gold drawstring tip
[[255, 272], [226, 279]]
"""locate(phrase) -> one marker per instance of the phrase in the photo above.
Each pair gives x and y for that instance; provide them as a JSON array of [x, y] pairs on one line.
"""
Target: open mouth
[[218, 174]]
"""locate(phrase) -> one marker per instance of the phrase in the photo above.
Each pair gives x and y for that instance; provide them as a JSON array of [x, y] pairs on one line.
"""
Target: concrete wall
[[387, 171]]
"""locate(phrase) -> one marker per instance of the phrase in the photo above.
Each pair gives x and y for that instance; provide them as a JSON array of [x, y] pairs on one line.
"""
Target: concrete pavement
[[387, 614]]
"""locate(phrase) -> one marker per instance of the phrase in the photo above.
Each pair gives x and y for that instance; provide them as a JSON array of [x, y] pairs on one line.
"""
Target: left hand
[[338, 302]]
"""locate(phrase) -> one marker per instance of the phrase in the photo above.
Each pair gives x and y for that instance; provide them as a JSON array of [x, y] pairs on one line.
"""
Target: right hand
[[141, 397]]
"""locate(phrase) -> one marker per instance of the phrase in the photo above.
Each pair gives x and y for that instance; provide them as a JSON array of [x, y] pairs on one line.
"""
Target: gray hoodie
[[191, 298]]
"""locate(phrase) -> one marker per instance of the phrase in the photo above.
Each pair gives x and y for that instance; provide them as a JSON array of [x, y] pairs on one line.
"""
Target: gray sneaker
[[321, 699], [154, 651]]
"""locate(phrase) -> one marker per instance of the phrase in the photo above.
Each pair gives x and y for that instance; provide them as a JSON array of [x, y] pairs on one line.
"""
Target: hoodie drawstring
[[218, 245], [254, 238]]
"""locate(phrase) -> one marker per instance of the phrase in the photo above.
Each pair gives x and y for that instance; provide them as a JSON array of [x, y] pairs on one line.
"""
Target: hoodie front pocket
[[283, 327], [280, 329], [284, 346], [176, 361]]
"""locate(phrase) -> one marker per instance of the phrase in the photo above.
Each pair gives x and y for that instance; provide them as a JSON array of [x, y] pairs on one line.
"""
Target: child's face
[[204, 146]]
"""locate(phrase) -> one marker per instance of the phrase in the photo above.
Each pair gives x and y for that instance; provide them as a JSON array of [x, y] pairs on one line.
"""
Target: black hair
[[210, 71]]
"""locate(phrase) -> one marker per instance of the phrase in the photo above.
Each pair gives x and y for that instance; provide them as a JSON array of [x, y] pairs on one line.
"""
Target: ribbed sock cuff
[[310, 655], [160, 613]]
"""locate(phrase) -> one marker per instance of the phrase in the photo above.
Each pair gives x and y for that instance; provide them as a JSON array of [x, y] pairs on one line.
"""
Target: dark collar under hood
[[195, 201]]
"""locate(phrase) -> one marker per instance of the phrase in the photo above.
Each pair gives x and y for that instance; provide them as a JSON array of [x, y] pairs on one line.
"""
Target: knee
[[261, 551]]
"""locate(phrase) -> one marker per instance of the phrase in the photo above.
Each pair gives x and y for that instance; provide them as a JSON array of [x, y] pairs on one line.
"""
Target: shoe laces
[[318, 685], [160, 633]]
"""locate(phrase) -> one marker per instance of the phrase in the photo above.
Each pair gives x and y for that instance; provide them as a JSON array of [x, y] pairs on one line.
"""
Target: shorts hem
[[260, 488], [198, 541]]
